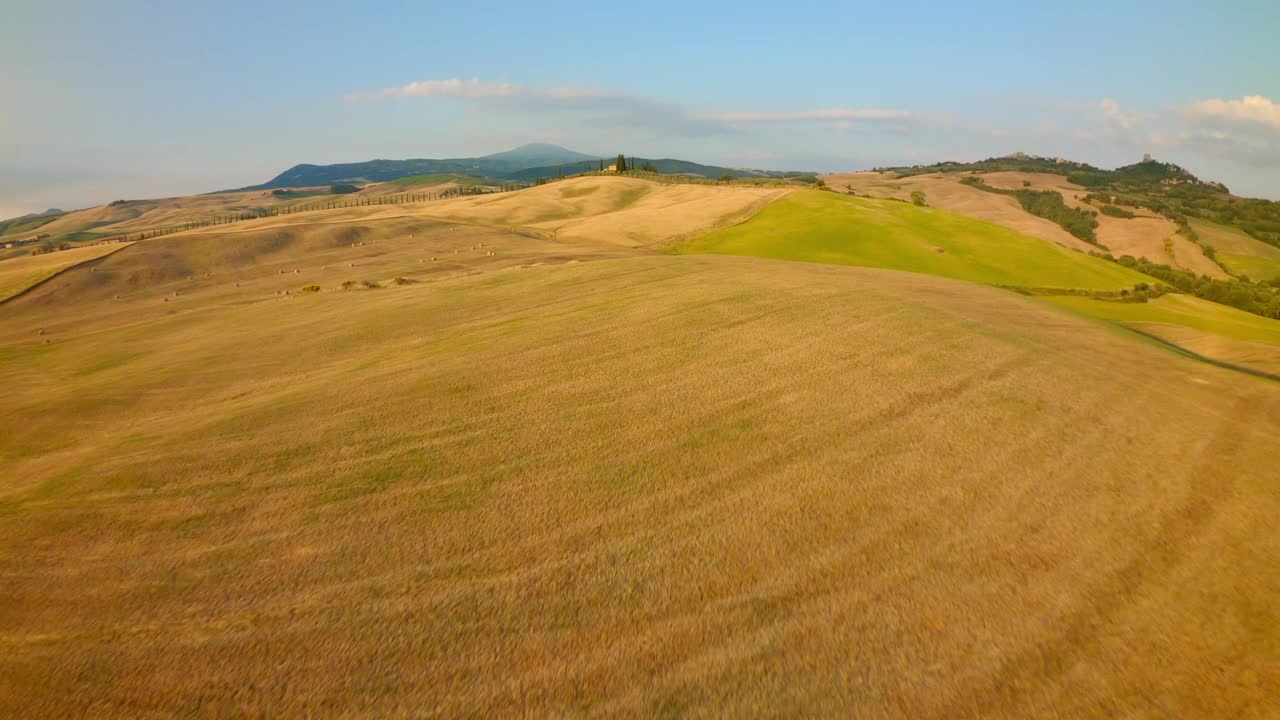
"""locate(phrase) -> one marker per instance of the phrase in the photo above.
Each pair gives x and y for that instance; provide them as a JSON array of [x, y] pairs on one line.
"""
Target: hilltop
[[527, 162]]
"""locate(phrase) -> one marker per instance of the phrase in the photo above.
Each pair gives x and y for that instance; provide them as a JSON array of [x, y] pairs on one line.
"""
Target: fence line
[[402, 198], [328, 204]]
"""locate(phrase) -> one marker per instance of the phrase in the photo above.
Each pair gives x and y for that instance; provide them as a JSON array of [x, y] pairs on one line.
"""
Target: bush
[[726, 178], [399, 280], [343, 189], [1113, 211], [371, 284], [917, 198], [1026, 183], [348, 284], [310, 287]]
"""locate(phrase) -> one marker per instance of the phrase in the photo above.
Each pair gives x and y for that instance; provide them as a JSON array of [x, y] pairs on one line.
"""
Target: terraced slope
[[825, 227], [637, 486]]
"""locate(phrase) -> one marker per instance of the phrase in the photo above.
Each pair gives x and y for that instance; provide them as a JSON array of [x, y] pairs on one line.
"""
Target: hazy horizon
[[135, 101]]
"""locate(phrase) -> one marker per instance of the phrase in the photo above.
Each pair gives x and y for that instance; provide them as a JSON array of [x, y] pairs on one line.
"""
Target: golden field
[[548, 474]]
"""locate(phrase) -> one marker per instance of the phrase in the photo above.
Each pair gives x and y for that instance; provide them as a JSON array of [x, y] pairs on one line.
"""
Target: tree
[[622, 163], [602, 165], [648, 167], [726, 178], [917, 197]]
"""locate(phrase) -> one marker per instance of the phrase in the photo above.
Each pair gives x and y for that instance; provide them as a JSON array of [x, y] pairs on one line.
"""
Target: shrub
[[399, 280], [371, 284], [343, 189], [310, 287], [1117, 212], [348, 284], [1026, 183], [726, 178], [917, 198]]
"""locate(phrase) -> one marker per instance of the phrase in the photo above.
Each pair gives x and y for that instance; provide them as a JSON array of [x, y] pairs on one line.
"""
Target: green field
[[1181, 310], [1239, 253], [824, 227]]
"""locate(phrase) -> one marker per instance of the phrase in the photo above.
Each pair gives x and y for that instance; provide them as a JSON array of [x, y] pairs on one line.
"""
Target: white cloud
[[1115, 119], [827, 114], [475, 89], [1253, 113], [608, 109]]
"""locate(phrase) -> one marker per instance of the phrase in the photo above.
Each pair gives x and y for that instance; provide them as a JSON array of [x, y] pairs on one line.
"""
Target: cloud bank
[[610, 109]]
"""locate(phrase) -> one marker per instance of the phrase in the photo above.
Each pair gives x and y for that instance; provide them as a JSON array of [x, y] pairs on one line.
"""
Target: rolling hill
[[495, 455], [543, 478], [495, 165], [825, 227], [526, 163]]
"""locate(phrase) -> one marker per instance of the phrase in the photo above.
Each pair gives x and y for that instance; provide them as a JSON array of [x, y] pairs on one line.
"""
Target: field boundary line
[[1197, 356], [68, 268]]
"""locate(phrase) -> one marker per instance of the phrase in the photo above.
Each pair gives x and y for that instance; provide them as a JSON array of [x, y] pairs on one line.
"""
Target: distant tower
[[1146, 157]]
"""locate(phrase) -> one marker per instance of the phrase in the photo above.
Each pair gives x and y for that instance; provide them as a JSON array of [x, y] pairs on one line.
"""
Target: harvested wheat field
[[135, 215], [19, 274], [1157, 240], [945, 192], [578, 489], [617, 210]]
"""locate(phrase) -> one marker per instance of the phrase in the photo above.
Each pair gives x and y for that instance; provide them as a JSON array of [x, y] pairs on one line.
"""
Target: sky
[[103, 101]]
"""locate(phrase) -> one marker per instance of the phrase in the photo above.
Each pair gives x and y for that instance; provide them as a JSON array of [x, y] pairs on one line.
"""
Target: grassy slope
[[1182, 310], [19, 273], [1239, 252], [640, 486], [825, 227]]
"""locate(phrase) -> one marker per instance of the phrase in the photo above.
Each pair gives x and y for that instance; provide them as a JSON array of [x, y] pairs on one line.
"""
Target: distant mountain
[[537, 154], [527, 162], [497, 165], [666, 166], [30, 221], [28, 216]]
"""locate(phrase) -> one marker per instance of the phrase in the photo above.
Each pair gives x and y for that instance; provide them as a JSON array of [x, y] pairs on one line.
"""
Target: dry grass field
[[20, 273], [616, 210], [146, 214], [573, 479]]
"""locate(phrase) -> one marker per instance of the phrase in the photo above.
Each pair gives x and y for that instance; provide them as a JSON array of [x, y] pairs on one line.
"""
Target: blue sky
[[130, 99]]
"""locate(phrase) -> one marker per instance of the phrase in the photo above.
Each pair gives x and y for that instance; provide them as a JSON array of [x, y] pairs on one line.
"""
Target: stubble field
[[626, 485]]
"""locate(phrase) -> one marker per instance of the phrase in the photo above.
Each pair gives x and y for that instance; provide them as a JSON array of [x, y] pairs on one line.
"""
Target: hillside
[[438, 494], [610, 209], [825, 227], [525, 164], [495, 165]]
